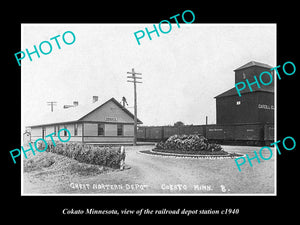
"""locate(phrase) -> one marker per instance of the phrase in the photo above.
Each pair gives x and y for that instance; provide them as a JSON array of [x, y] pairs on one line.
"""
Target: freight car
[[239, 134]]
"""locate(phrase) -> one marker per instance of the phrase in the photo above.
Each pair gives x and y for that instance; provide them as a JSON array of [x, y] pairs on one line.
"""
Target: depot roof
[[73, 114]]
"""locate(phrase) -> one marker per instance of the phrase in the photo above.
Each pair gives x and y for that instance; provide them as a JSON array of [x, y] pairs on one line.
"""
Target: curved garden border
[[178, 155]]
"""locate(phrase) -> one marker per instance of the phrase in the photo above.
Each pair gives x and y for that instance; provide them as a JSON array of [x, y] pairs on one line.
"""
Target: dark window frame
[[65, 132], [75, 129], [101, 129], [120, 127]]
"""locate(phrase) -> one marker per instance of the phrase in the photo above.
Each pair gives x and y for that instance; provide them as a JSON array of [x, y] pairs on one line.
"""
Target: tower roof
[[233, 91], [253, 63]]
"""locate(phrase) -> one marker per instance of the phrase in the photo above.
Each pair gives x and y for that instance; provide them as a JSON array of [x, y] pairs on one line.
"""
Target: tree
[[178, 124]]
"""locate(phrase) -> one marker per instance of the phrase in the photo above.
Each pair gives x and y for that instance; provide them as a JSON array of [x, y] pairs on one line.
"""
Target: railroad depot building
[[107, 122], [256, 107]]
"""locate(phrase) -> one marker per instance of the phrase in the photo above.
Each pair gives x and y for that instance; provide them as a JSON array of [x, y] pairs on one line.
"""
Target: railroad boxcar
[[191, 129], [141, 133], [169, 131], [269, 133], [154, 133], [215, 132], [250, 134], [241, 134]]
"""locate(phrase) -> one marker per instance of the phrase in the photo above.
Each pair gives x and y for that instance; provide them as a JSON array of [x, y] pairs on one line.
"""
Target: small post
[[122, 162], [205, 128]]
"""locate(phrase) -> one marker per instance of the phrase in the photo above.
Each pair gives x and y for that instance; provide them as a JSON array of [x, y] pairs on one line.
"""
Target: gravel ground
[[149, 174]]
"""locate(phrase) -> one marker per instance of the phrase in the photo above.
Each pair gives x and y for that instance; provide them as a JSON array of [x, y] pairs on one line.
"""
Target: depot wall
[[87, 132]]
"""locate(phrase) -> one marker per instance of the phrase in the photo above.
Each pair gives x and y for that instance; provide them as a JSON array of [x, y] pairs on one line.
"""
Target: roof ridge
[[253, 63], [74, 113]]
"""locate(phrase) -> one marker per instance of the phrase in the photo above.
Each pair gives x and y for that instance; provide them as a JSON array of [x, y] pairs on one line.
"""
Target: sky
[[182, 71]]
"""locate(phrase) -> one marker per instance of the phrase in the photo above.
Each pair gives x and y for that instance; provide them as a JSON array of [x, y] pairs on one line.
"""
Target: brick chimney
[[95, 99]]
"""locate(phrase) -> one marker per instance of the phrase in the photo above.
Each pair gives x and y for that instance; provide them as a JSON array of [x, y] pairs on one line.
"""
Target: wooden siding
[[128, 130], [49, 130], [90, 133], [102, 139], [55, 138], [90, 129], [252, 71], [109, 110], [228, 112], [110, 130], [36, 131], [266, 115]]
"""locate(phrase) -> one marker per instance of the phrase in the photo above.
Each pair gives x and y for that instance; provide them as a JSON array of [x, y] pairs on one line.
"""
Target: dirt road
[[148, 174]]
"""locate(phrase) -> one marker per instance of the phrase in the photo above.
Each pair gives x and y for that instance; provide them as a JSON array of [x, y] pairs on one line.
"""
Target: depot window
[[120, 129], [100, 129], [65, 132], [75, 129]]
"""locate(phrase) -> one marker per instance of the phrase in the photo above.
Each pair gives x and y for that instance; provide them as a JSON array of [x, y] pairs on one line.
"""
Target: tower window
[[244, 76]]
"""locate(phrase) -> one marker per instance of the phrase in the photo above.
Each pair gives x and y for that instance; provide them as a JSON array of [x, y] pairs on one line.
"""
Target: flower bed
[[201, 155], [97, 155], [189, 144], [177, 151]]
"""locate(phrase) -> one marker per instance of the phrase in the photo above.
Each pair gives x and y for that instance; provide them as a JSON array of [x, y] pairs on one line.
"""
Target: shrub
[[214, 147], [84, 153], [193, 142]]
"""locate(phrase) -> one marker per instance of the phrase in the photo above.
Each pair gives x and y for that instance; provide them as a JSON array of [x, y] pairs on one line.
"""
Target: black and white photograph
[[149, 111], [164, 109]]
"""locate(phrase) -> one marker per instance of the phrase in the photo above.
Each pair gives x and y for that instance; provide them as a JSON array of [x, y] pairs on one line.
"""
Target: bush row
[[193, 142], [84, 153]]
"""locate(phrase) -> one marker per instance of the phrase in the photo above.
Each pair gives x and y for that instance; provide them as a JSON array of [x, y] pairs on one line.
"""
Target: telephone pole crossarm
[[52, 104], [134, 81]]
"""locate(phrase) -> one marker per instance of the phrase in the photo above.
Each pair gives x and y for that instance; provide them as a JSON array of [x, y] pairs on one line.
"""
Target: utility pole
[[134, 81], [52, 104]]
